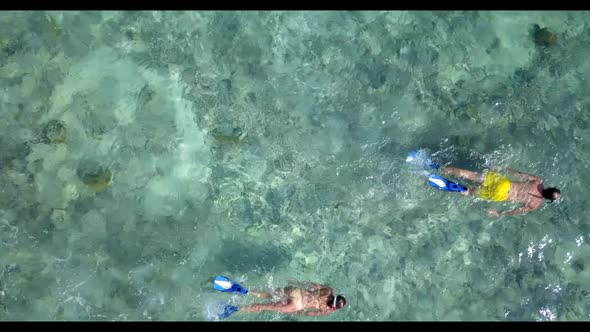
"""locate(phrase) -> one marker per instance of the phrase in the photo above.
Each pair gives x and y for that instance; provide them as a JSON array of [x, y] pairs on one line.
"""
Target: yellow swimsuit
[[495, 187]]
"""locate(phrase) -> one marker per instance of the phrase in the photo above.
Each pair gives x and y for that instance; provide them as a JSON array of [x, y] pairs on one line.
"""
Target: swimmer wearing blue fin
[[307, 298], [492, 185]]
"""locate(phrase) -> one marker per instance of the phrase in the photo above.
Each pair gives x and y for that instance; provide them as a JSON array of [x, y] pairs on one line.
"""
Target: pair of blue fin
[[421, 159], [225, 285]]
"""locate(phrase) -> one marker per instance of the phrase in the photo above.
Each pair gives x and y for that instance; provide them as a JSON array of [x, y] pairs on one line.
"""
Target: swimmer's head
[[551, 194], [336, 302]]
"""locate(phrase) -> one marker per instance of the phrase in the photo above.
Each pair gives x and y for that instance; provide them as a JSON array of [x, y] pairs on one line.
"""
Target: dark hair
[[340, 301], [551, 194]]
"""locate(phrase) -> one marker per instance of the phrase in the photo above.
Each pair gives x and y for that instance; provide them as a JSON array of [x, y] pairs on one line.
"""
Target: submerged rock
[[54, 132], [99, 180], [227, 135], [544, 37]]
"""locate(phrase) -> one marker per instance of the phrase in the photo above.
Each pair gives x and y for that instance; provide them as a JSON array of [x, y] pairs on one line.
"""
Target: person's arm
[[521, 175], [276, 307], [513, 212]]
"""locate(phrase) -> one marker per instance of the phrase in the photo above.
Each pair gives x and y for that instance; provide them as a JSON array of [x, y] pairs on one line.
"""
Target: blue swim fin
[[421, 159], [223, 284], [444, 184], [227, 311]]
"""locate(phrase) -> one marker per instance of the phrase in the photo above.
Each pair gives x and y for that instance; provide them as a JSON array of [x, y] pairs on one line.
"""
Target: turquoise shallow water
[[268, 146]]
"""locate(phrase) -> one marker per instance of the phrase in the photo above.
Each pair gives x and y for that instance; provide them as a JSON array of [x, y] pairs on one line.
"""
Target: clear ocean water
[[143, 153]]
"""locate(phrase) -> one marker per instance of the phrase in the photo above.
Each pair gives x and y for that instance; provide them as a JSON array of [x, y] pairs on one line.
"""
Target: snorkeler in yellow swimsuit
[[497, 188]]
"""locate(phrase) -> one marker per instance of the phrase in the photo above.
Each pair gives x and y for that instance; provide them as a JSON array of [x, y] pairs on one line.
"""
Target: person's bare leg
[[277, 307], [470, 191], [463, 173]]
